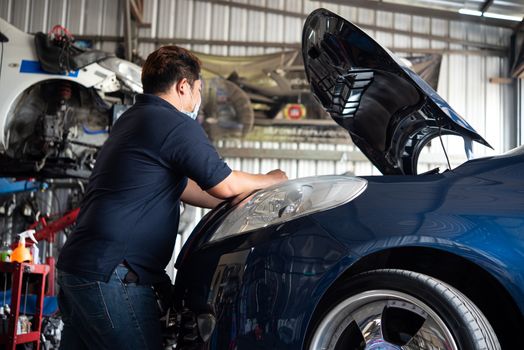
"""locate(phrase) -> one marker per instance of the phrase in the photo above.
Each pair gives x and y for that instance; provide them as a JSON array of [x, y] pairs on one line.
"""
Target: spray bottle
[[21, 253]]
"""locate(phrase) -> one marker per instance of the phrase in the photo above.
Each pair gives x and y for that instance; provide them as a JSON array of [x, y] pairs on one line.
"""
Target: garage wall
[[464, 76]]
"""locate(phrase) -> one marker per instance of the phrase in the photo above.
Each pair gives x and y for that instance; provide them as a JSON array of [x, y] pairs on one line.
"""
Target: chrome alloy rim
[[382, 320]]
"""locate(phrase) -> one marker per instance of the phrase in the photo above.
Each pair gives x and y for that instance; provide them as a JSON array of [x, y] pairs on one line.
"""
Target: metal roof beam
[[280, 45], [424, 11], [486, 6]]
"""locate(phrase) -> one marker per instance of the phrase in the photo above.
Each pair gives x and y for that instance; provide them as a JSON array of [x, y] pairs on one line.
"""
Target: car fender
[[20, 70], [371, 256]]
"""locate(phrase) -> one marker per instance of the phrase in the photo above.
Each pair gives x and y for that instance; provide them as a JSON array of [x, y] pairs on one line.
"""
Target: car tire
[[398, 309]]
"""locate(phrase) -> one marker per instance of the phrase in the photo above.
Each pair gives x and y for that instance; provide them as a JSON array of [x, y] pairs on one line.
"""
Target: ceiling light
[[496, 15], [489, 15], [470, 12]]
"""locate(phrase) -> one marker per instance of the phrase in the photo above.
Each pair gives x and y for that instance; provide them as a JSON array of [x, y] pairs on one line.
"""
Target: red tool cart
[[17, 271], [47, 231]]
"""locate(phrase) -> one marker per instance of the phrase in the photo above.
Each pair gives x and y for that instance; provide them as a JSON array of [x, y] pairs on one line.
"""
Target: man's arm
[[194, 195], [239, 182], [236, 183]]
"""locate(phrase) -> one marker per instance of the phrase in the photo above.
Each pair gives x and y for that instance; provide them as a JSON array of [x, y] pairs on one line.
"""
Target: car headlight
[[288, 201], [126, 71]]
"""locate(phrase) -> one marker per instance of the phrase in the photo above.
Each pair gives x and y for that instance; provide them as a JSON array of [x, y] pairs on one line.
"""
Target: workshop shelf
[[17, 271]]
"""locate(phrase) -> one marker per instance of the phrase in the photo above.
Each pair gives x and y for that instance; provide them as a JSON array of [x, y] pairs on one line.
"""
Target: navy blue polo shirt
[[131, 208]]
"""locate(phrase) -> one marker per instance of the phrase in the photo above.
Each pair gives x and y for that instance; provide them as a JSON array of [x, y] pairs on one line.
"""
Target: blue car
[[400, 261]]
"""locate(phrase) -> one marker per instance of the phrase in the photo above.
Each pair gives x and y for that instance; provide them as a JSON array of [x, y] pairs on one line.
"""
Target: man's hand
[[278, 175]]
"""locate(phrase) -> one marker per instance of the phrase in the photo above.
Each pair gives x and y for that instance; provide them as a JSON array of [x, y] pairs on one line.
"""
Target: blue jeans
[[112, 315]]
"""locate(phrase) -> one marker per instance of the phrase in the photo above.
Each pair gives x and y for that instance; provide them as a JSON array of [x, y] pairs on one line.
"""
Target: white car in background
[[58, 103]]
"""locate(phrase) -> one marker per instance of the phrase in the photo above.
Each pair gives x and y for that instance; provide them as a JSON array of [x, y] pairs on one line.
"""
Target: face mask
[[194, 113]]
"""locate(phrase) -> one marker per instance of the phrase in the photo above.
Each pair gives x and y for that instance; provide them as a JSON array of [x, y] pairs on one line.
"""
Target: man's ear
[[181, 86]]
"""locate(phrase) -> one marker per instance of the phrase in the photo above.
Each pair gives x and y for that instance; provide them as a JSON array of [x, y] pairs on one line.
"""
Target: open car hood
[[389, 111]]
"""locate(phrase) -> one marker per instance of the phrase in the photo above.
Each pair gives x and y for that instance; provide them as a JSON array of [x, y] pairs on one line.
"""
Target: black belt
[[131, 276]]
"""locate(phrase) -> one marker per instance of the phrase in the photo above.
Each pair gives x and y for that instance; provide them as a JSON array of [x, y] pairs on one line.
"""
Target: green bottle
[[5, 252]]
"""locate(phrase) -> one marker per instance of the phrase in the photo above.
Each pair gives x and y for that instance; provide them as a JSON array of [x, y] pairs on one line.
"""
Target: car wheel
[[398, 309]]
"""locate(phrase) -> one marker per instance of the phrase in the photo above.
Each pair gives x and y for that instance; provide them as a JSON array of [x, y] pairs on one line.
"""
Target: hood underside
[[389, 111]]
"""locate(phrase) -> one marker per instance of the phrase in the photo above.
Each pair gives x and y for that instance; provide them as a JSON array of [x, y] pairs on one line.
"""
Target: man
[[155, 156]]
